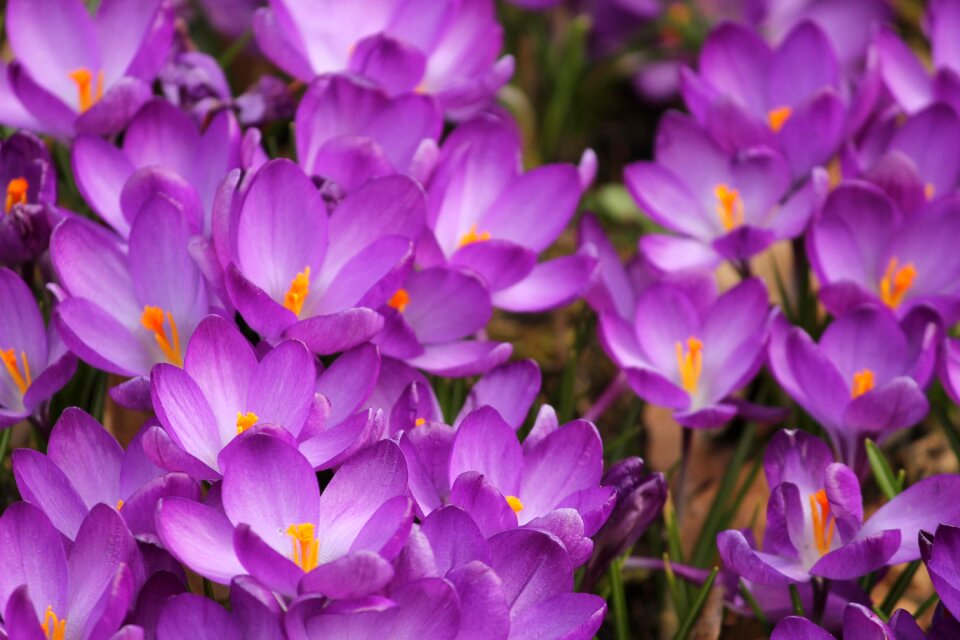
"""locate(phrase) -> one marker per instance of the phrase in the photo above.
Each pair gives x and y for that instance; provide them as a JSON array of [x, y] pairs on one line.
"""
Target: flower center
[[87, 94], [246, 420], [863, 381], [929, 190], [824, 524], [152, 320], [729, 206], [306, 547], [896, 282], [16, 193], [120, 504], [419, 422], [53, 627], [399, 300], [297, 294], [515, 504], [21, 377], [778, 117], [472, 236], [690, 363]]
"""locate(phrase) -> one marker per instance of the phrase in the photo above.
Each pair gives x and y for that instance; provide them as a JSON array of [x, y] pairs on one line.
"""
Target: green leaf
[[882, 472], [691, 618]]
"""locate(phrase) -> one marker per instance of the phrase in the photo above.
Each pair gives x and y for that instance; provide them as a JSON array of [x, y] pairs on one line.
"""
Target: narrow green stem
[[755, 607], [899, 587], [4, 443], [929, 602], [796, 601], [691, 619], [621, 618]]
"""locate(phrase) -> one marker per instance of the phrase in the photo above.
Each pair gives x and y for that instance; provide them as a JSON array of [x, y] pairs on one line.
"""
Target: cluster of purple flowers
[[284, 323]]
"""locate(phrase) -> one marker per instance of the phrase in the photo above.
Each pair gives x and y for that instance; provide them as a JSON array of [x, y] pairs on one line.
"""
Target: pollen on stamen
[[690, 363], [472, 236], [54, 628], [21, 375], [297, 293], [152, 320], [778, 117], [16, 193], [399, 300], [863, 381], [896, 282], [824, 524], [419, 422], [306, 547], [246, 420], [729, 206], [87, 94], [515, 503]]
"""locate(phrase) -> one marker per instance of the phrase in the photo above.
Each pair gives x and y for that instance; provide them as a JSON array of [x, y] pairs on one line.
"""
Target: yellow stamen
[[119, 505], [896, 282], [152, 320], [88, 95], [515, 504], [472, 236], [16, 193], [22, 379], [929, 190], [835, 172], [690, 363], [246, 420], [419, 422], [297, 293], [820, 515], [306, 547], [863, 381], [778, 117], [399, 300], [54, 628], [729, 206]]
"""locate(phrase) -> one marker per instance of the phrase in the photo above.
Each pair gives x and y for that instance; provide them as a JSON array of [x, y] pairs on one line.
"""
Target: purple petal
[[260, 559], [462, 358], [486, 444], [200, 537], [281, 391], [193, 616], [532, 565], [567, 615], [565, 462], [43, 484], [500, 263], [551, 284], [756, 566], [486, 505], [355, 575], [338, 331], [33, 556], [510, 389], [186, 415], [867, 553], [89, 456]]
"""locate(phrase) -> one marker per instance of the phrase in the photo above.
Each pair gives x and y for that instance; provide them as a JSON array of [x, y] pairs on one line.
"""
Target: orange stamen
[[690, 363], [119, 505], [824, 523], [88, 95], [896, 282], [778, 117], [297, 293], [399, 300], [16, 193], [306, 547], [863, 381], [54, 628], [246, 420], [419, 422], [729, 206], [152, 320], [22, 379], [515, 504], [472, 236], [929, 190]]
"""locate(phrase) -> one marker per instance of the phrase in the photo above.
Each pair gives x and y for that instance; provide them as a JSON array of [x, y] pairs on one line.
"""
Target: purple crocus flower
[[153, 288], [489, 216], [907, 78], [84, 467], [277, 526], [294, 271], [551, 482], [940, 554], [865, 378], [30, 197], [51, 590], [428, 317], [254, 614], [689, 352], [864, 249], [163, 149], [859, 622], [36, 363], [77, 73], [348, 130], [223, 391], [788, 98], [815, 525], [447, 49], [723, 207]]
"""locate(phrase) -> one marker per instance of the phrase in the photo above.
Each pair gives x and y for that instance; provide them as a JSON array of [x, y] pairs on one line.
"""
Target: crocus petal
[[20, 617], [551, 284], [462, 358], [486, 505], [162, 451], [488, 445], [903, 74], [33, 556], [101, 170], [100, 340], [756, 566], [88, 454], [797, 628], [867, 553], [185, 413], [532, 565], [282, 388], [500, 263], [387, 529], [338, 331], [355, 575], [43, 484], [190, 615], [426, 450], [200, 537], [813, 132], [275, 570], [565, 462], [484, 613], [349, 381], [54, 115], [899, 403], [510, 389], [678, 254], [139, 509], [114, 110], [567, 615]]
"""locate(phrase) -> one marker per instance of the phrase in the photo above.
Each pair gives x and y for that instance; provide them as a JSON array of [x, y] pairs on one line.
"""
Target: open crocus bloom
[[295, 271], [84, 467], [940, 555], [54, 591], [128, 308], [34, 362], [447, 48], [865, 378], [860, 622], [788, 98], [349, 131], [80, 74], [690, 352], [162, 149], [864, 249], [551, 482], [488, 216], [277, 526], [815, 521], [723, 206]]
